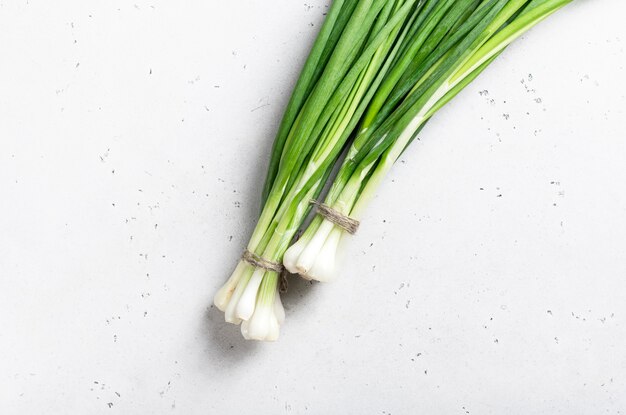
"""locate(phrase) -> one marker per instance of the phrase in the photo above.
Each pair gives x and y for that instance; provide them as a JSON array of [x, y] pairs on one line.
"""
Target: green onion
[[374, 152], [377, 72], [307, 152]]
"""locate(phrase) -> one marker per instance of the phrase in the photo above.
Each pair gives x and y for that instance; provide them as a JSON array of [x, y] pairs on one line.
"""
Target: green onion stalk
[[414, 90], [352, 54]]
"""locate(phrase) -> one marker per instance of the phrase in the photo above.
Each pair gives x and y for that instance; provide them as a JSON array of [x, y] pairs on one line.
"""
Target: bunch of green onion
[[377, 72]]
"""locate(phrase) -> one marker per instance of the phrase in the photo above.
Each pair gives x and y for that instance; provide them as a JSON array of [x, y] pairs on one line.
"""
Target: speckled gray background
[[489, 276]]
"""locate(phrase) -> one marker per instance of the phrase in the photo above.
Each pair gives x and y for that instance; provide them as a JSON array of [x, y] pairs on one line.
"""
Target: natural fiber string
[[283, 283], [344, 222], [258, 262]]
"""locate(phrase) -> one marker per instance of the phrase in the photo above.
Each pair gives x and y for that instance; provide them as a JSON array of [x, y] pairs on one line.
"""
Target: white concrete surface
[[489, 277]]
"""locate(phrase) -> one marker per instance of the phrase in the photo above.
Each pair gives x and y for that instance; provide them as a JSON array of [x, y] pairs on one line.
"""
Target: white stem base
[[224, 294], [240, 301], [314, 258]]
